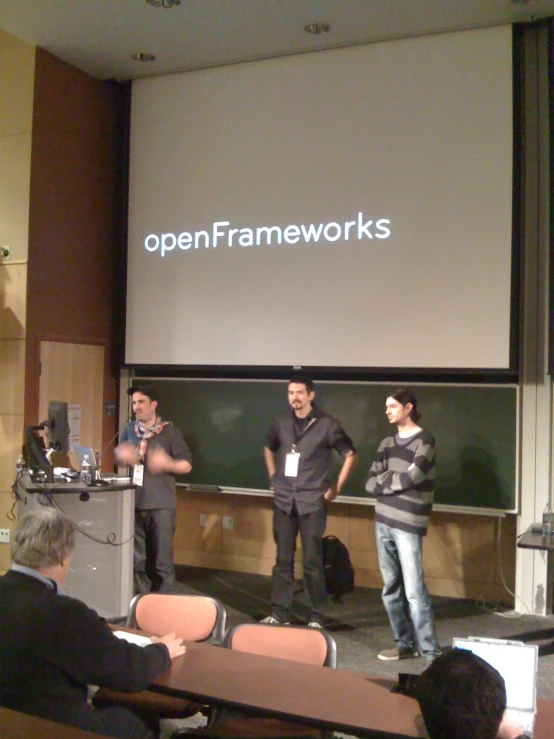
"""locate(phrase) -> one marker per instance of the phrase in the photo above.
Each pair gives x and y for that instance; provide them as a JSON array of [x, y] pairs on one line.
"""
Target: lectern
[[101, 570]]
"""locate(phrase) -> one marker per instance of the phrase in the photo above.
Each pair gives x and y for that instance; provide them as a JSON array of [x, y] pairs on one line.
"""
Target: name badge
[[138, 474], [291, 464]]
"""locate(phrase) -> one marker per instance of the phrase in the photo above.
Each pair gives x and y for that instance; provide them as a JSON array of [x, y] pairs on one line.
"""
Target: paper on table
[[138, 639]]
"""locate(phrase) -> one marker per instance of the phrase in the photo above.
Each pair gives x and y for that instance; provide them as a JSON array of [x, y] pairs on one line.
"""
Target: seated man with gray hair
[[52, 646], [463, 697]]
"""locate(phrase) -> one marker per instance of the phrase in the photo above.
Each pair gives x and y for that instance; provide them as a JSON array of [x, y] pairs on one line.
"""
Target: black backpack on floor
[[339, 573]]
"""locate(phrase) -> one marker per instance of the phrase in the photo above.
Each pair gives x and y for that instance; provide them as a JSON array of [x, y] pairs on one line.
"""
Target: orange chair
[[296, 643], [192, 617]]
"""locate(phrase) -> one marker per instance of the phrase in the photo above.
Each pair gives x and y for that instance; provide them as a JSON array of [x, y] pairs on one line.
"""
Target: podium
[[101, 569]]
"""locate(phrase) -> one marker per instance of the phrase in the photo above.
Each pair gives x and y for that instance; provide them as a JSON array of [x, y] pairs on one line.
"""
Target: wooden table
[[15, 725], [350, 702]]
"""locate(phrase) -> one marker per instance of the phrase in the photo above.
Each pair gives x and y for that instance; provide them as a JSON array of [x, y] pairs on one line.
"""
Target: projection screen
[[349, 208]]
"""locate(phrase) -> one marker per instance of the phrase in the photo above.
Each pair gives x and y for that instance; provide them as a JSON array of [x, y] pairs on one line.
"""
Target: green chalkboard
[[225, 423]]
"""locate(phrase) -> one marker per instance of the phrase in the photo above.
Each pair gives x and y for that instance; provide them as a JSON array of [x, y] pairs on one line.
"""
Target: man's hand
[[509, 729], [331, 494], [126, 454], [159, 461], [174, 644]]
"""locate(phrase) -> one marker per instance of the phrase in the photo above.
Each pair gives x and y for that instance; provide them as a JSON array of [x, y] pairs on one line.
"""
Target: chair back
[[192, 617], [296, 643]]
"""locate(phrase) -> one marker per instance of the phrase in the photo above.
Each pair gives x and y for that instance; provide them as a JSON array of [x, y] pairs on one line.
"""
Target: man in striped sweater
[[403, 478]]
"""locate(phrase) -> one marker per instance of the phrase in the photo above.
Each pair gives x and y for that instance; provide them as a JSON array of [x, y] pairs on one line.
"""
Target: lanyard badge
[[138, 475], [291, 463]]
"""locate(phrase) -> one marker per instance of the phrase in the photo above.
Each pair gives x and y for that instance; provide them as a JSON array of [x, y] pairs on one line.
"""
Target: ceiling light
[[317, 28], [163, 3], [143, 56]]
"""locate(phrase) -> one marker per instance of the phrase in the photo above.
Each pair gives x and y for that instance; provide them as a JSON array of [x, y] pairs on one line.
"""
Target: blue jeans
[[405, 595]]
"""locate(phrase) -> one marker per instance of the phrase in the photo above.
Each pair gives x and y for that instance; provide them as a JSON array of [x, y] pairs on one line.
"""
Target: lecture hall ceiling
[[99, 36]]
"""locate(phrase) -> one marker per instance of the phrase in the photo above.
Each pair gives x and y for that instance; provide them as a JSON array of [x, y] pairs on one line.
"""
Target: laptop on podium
[[80, 452]]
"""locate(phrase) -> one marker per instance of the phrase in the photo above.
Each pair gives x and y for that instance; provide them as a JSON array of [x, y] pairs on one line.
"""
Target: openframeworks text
[[221, 235]]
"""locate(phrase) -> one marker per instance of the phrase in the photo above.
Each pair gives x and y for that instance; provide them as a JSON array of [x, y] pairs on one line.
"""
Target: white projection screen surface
[[349, 208]]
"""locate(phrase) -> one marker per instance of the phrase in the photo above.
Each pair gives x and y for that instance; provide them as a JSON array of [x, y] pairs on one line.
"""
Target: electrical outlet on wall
[[4, 536], [228, 522], [203, 520]]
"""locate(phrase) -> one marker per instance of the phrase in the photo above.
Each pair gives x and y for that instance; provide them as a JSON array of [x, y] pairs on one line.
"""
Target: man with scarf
[[157, 452]]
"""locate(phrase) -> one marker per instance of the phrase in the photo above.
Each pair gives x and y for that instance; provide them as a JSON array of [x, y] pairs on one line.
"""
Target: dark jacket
[[53, 646], [316, 443]]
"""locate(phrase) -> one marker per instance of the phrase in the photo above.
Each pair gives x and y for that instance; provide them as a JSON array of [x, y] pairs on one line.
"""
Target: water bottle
[[85, 471], [547, 521]]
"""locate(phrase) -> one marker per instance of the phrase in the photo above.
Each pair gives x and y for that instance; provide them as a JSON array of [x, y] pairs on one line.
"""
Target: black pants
[[153, 554], [285, 530], [119, 723]]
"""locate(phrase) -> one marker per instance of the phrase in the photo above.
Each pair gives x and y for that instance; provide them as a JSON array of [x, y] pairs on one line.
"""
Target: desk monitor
[[37, 459], [58, 424]]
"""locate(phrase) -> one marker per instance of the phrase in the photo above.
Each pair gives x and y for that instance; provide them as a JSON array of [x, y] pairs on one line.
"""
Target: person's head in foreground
[[463, 697], [44, 540]]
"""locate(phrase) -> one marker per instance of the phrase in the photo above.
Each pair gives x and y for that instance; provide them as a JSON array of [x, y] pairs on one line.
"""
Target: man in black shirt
[[299, 457], [157, 452]]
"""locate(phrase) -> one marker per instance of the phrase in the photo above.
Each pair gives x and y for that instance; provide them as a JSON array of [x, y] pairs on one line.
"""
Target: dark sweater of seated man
[[463, 697], [52, 646]]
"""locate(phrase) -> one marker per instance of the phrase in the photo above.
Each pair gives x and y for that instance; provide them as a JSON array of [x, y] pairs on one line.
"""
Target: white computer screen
[[516, 663]]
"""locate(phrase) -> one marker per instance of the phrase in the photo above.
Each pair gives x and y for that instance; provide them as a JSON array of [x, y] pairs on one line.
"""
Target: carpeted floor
[[360, 626]]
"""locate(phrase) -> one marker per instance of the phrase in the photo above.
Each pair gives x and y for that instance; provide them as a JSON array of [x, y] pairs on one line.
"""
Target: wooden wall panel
[[17, 70], [15, 172], [75, 216], [12, 376], [6, 503], [17, 65], [13, 292], [11, 439], [252, 533], [189, 534], [461, 556]]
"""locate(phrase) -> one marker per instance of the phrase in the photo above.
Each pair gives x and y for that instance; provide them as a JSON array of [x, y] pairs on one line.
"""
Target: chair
[[194, 618], [295, 643]]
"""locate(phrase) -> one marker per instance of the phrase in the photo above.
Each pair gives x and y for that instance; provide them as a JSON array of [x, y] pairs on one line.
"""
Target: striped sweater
[[403, 478]]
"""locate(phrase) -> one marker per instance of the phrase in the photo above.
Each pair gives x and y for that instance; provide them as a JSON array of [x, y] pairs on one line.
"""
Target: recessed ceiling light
[[163, 3], [143, 56], [317, 28]]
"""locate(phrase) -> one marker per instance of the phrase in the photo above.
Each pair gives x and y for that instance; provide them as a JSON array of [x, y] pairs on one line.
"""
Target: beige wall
[[60, 214], [17, 67], [464, 556]]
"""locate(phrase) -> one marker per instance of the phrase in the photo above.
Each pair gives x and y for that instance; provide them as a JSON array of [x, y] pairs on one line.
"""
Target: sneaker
[[315, 625], [389, 655], [274, 621]]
